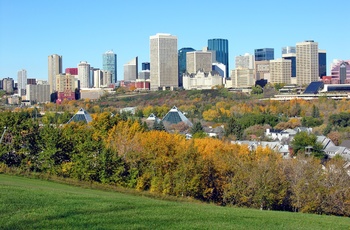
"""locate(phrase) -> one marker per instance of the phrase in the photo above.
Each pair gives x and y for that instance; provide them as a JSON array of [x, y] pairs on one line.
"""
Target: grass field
[[36, 204]]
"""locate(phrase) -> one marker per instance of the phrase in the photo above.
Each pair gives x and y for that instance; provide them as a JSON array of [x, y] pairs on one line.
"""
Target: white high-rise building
[[198, 60], [307, 62], [163, 61], [131, 70], [22, 82], [54, 69], [280, 71], [84, 74], [246, 61]]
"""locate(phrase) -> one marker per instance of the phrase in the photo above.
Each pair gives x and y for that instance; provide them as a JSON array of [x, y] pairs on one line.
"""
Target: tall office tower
[[280, 71], [110, 64], [307, 62], [198, 60], [131, 70], [293, 58], [221, 47], [106, 78], [55, 68], [264, 54], [146, 66], [288, 50], [22, 82], [8, 85], [84, 74], [65, 87], [245, 61], [72, 71], [322, 63], [182, 62], [97, 75], [164, 61]]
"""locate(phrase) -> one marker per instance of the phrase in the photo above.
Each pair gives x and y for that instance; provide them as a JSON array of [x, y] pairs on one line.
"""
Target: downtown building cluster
[[186, 68]]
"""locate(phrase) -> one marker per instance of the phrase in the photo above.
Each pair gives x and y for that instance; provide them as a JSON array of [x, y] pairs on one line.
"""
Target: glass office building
[[221, 47], [322, 63], [110, 64], [182, 62], [264, 54]]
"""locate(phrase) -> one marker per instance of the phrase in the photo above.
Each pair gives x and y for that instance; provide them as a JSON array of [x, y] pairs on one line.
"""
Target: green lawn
[[36, 204]]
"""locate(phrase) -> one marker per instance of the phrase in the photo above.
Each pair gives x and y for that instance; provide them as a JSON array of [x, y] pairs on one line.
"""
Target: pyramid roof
[[175, 116], [81, 115]]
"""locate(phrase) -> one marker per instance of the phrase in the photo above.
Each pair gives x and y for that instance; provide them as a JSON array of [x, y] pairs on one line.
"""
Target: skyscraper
[[110, 64], [164, 61], [54, 68], [131, 70], [264, 54], [84, 74], [307, 62], [221, 47], [22, 82], [280, 71], [182, 62], [322, 63], [198, 60], [293, 59], [288, 50]]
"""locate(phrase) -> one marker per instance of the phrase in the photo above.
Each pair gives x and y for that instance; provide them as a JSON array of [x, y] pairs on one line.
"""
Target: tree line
[[124, 152]]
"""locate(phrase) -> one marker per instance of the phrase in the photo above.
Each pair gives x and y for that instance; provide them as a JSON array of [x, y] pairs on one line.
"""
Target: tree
[[302, 140], [197, 127], [233, 127], [315, 112], [257, 90]]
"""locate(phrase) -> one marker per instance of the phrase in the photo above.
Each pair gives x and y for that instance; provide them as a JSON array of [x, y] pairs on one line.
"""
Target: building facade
[[322, 63], [109, 63], [21, 82], [264, 54], [54, 68], [245, 61], [8, 85], [198, 60], [293, 58], [242, 78], [131, 70], [202, 80], [146, 66], [65, 87], [164, 61], [280, 71], [340, 72], [262, 70], [38, 93], [220, 68], [72, 71], [182, 60], [84, 74], [307, 65], [220, 46]]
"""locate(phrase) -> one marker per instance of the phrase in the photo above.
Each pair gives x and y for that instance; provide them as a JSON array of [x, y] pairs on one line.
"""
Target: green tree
[[197, 127], [233, 127], [303, 140], [315, 112], [257, 90]]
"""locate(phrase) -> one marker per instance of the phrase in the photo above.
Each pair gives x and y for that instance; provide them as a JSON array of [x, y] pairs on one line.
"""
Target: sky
[[79, 30]]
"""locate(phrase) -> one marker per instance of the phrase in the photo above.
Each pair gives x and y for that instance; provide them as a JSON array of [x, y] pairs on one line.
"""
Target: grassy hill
[[35, 204]]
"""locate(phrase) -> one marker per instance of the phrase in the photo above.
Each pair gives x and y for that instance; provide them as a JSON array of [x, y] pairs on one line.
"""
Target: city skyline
[[82, 37]]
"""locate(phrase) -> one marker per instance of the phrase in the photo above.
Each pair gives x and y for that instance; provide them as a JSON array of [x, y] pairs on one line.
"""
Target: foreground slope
[[35, 204]]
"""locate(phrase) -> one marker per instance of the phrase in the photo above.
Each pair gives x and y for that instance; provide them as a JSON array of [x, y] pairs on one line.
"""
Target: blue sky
[[83, 30]]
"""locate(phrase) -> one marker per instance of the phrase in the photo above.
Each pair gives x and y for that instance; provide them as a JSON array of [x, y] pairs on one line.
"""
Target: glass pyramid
[[81, 116], [175, 116]]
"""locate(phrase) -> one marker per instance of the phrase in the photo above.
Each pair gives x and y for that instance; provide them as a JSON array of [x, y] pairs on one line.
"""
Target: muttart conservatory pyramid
[[81, 115], [175, 116]]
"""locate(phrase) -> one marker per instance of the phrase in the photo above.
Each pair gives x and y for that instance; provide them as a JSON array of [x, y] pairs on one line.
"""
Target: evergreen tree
[[233, 127], [197, 127]]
